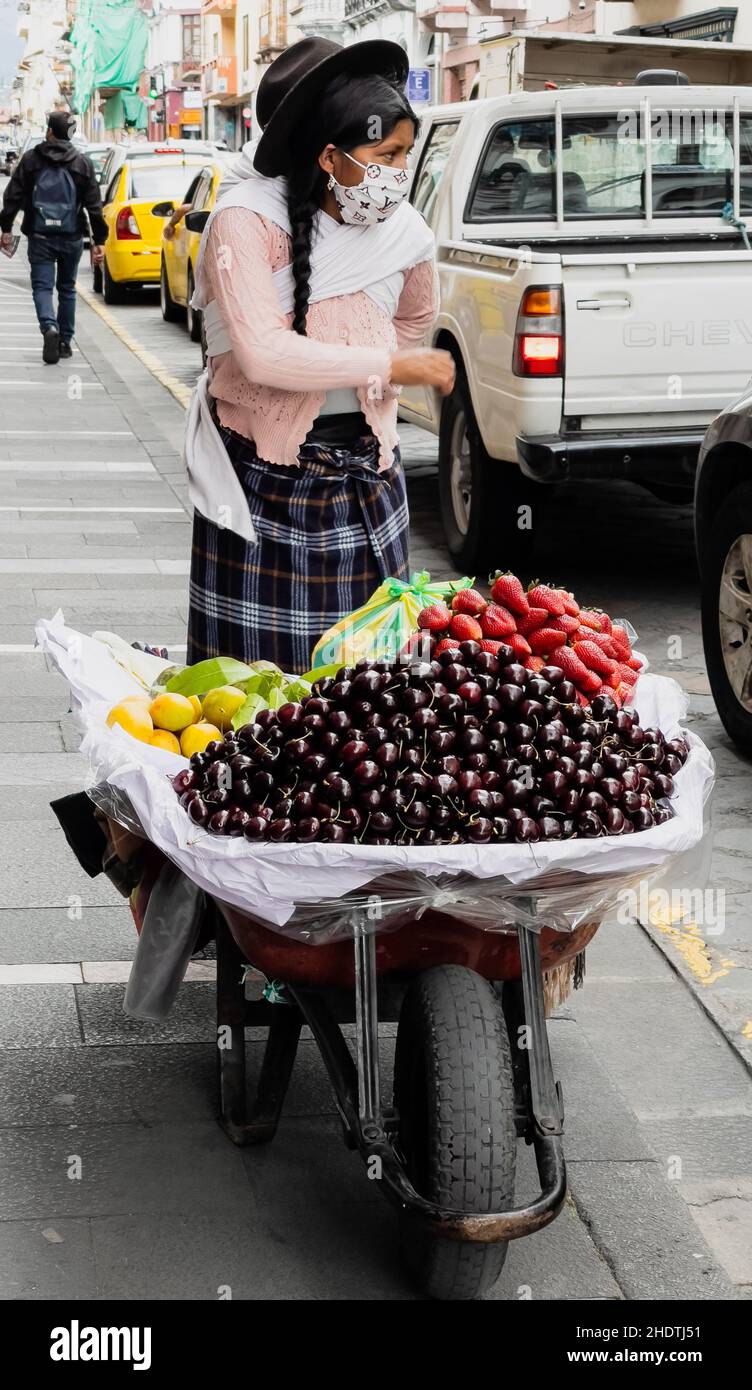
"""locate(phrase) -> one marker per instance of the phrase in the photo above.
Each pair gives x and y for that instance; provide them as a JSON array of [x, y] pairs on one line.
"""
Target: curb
[[153, 364]]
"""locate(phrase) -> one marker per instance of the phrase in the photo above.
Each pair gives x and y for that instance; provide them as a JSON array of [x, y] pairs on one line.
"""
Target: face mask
[[376, 198]]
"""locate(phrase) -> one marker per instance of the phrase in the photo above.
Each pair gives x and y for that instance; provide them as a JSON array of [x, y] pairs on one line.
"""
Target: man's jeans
[[48, 255]]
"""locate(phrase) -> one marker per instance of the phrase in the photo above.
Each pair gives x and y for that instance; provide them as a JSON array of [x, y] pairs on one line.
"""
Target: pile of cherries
[[469, 748]]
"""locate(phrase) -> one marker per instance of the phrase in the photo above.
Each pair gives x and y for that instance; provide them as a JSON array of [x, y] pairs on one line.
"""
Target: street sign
[[419, 84], [247, 113]]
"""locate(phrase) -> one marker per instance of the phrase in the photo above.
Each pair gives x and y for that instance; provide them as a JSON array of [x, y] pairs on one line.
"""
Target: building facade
[[171, 85], [42, 82]]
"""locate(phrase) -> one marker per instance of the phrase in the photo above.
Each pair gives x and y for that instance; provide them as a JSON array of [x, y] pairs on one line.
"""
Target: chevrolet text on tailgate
[[595, 291]]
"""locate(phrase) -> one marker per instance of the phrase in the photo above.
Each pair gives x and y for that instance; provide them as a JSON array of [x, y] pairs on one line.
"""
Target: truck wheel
[[171, 312], [727, 613], [454, 1092], [480, 496], [113, 292]]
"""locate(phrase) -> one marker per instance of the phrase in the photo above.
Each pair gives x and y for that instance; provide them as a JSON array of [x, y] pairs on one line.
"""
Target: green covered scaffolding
[[109, 46]]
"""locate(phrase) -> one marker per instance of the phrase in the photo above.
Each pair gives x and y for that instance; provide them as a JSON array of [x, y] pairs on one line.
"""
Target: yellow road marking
[[685, 937], [178, 389], [747, 1030]]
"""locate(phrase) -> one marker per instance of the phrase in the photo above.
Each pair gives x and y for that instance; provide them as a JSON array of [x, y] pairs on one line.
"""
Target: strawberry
[[590, 619], [534, 663], [574, 669], [507, 590], [626, 673], [606, 643], [534, 618], [595, 660], [624, 692], [488, 646], [497, 621], [446, 644], [465, 628], [468, 601], [566, 624], [619, 636], [612, 691], [583, 699], [545, 640], [571, 606], [436, 617], [520, 646], [605, 622], [543, 596], [634, 662]]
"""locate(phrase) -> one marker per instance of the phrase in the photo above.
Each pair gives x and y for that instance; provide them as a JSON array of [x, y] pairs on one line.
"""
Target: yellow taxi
[[146, 182], [180, 249]]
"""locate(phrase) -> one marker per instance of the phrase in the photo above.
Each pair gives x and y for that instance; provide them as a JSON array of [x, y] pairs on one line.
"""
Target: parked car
[[145, 184], [180, 252], [723, 534], [591, 297]]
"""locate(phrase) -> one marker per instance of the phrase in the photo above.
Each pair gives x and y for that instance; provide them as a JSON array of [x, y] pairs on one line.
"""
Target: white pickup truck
[[596, 291]]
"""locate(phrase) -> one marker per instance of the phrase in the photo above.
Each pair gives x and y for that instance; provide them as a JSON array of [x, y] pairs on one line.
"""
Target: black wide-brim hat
[[296, 79]]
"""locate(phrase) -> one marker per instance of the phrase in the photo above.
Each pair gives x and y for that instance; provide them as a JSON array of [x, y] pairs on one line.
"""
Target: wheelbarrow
[[472, 1075]]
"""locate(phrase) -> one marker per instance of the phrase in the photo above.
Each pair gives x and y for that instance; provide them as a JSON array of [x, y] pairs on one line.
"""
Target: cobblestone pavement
[[652, 1053]]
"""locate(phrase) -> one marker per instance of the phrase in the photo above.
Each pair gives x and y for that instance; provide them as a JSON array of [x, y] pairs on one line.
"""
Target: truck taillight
[[539, 336], [126, 226]]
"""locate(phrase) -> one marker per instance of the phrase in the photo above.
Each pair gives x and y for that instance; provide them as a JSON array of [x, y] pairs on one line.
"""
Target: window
[[432, 165], [160, 181], [202, 190], [604, 163], [191, 38], [111, 193]]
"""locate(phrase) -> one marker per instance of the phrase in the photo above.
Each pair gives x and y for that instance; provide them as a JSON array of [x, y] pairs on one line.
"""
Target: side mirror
[[163, 209], [196, 221]]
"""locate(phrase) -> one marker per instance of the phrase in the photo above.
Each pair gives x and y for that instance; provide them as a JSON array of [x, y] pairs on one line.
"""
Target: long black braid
[[347, 115]]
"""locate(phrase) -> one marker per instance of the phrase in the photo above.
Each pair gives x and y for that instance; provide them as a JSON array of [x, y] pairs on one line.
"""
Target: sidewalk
[[92, 520]]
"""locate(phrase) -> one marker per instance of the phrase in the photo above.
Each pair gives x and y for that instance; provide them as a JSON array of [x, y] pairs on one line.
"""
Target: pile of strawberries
[[544, 627]]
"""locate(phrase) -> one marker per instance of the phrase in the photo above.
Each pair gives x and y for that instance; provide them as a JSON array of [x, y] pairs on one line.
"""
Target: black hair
[[349, 113]]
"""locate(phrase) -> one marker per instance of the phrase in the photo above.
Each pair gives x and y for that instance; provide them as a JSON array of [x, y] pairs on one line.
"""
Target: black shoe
[[51, 349], [66, 350]]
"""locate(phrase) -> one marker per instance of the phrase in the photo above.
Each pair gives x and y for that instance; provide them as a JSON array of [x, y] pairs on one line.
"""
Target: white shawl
[[344, 260]]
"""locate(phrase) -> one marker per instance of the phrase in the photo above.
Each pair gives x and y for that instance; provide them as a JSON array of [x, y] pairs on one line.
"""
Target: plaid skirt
[[327, 534]]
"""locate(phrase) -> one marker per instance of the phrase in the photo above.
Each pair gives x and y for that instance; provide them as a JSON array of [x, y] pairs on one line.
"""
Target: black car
[[723, 533]]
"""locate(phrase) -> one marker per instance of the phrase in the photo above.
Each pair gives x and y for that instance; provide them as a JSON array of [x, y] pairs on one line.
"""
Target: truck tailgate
[[663, 336]]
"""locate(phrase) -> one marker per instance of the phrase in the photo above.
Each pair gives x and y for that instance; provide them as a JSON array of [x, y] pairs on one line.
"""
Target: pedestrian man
[[52, 185]]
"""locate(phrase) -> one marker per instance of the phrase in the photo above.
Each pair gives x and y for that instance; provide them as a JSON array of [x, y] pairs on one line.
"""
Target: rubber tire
[[113, 292], [192, 316], [733, 518], [171, 312], [493, 538], [454, 1093], [96, 279]]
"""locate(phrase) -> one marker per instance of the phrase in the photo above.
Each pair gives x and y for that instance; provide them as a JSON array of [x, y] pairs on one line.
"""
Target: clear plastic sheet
[[315, 892]]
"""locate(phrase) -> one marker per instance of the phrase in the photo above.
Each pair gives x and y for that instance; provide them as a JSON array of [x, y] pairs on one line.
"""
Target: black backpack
[[54, 201]]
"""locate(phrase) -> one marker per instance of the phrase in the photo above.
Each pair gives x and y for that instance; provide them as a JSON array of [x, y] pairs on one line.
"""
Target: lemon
[[134, 718], [162, 739], [221, 704], [195, 738], [197, 707], [173, 712]]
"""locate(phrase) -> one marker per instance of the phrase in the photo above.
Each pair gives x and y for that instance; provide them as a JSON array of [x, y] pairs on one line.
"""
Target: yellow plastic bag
[[380, 629]]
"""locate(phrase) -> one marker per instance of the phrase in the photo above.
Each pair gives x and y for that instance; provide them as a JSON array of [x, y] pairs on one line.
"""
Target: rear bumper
[[665, 456], [139, 266]]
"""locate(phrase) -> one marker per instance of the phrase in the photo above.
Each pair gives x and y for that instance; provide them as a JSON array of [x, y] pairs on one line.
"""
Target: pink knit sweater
[[272, 384]]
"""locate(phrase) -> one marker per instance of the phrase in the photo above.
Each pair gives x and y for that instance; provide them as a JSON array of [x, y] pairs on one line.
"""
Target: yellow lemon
[[144, 700], [162, 739], [221, 704], [173, 712], [134, 718], [195, 738], [197, 707]]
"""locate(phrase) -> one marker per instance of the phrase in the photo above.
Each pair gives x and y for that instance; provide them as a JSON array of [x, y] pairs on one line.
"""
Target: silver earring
[[332, 181]]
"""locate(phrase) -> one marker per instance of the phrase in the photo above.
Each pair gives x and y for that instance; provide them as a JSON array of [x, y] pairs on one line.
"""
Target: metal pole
[[367, 1031]]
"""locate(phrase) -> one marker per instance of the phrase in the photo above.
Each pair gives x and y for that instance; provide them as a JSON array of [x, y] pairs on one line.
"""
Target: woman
[[318, 284]]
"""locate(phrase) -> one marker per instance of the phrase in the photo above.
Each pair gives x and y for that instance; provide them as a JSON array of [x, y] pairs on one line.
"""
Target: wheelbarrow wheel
[[454, 1094]]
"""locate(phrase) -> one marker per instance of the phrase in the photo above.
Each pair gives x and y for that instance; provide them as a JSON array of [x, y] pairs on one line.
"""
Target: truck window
[[431, 168], [604, 165], [516, 177], [693, 163]]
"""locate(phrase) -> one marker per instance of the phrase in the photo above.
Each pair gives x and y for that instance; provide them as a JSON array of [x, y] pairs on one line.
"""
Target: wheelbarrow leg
[[257, 1124]]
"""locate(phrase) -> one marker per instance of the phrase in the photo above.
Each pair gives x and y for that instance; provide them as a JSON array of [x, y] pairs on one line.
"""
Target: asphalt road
[[654, 1053]]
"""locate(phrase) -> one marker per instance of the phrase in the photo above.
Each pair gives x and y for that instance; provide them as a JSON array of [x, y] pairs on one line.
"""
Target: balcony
[[324, 18], [444, 16], [224, 7], [272, 37], [359, 12], [220, 78]]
